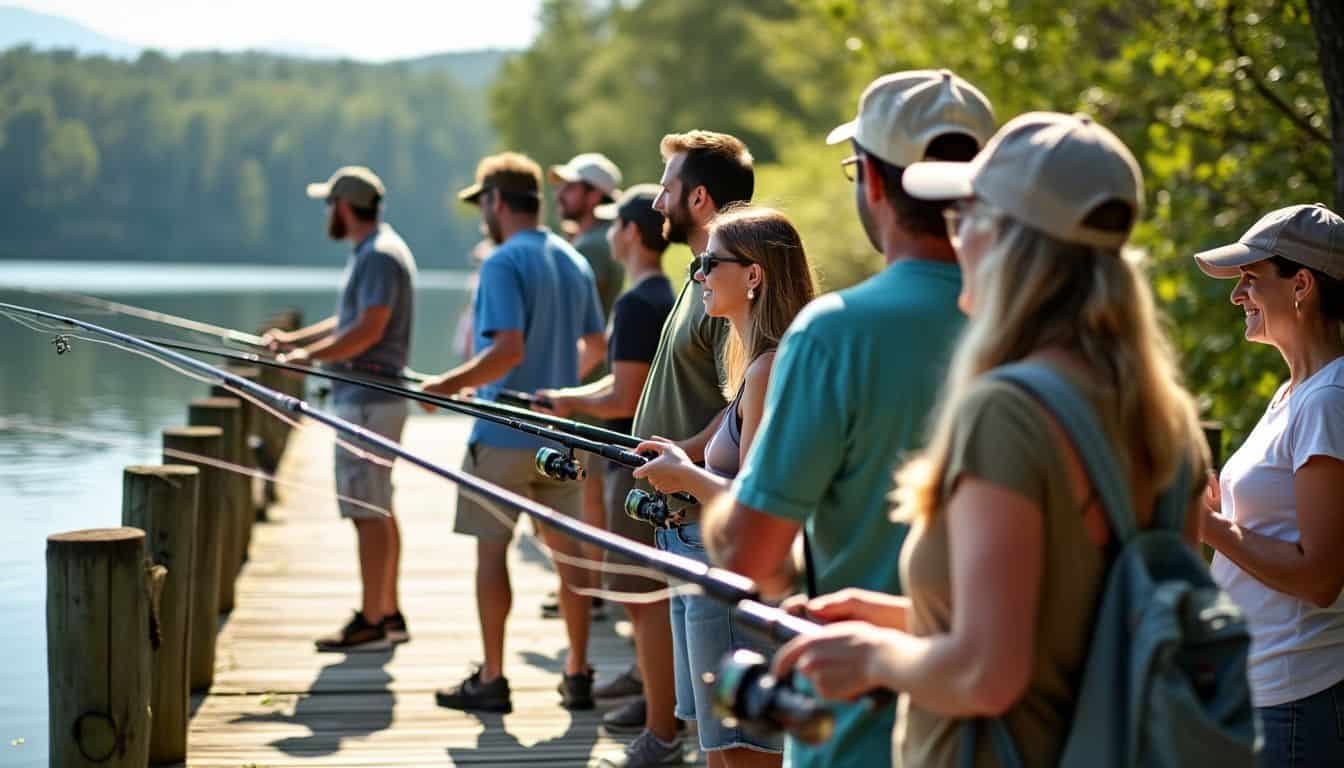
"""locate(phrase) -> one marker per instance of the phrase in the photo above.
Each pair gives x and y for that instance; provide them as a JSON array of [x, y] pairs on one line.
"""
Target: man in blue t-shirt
[[855, 377], [370, 333], [538, 325]]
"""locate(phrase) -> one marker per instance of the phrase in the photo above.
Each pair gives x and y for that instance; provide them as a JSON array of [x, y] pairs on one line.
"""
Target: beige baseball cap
[[594, 168], [902, 113], [1047, 170], [1310, 235], [354, 184]]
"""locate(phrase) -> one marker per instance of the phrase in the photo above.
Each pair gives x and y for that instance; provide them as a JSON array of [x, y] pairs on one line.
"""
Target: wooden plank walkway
[[277, 702]]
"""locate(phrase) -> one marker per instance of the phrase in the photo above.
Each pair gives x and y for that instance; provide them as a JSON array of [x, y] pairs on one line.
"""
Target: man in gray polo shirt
[[370, 334]]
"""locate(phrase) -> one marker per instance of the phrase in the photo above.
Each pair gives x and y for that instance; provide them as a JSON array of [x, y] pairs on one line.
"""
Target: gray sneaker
[[646, 749]]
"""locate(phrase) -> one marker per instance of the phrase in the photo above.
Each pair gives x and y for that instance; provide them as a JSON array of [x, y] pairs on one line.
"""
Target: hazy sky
[[363, 29]]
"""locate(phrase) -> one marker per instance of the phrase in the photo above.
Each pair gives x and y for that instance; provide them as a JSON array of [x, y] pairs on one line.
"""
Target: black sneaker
[[356, 636], [472, 694], [623, 686], [630, 717], [627, 718], [394, 624], [576, 691]]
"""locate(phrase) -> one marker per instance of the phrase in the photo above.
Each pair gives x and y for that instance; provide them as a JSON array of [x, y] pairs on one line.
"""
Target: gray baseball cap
[[592, 168], [902, 113], [1310, 235], [354, 184], [1047, 170]]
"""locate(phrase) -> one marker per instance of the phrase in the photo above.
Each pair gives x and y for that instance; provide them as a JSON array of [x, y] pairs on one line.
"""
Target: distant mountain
[[43, 32], [472, 68], [20, 26]]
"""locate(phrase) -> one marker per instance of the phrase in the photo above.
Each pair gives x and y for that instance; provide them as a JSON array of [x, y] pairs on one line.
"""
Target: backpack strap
[[1058, 396], [1000, 742]]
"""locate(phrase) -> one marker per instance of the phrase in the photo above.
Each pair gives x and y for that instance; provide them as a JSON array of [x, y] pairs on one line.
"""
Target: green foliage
[[205, 157], [1222, 101]]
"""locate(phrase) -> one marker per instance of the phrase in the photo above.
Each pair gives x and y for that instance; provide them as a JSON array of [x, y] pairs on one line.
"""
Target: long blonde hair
[[1033, 291], [768, 238]]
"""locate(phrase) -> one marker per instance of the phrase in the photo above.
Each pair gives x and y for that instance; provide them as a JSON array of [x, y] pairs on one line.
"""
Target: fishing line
[[25, 425], [50, 327], [41, 326]]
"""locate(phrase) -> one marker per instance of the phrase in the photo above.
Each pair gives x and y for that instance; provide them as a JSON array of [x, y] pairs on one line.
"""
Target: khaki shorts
[[515, 470], [366, 487], [618, 482]]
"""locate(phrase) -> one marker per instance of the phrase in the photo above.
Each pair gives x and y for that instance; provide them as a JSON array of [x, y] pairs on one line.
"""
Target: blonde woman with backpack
[[1008, 553]]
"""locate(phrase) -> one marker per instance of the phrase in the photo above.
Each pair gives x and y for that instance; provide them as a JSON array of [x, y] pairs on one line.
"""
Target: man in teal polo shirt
[[855, 379]]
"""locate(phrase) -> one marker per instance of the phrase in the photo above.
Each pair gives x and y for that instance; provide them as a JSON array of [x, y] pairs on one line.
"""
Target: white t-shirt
[[1297, 649]]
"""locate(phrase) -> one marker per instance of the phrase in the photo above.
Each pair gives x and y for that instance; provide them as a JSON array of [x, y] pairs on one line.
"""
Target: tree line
[[1223, 101], [204, 157]]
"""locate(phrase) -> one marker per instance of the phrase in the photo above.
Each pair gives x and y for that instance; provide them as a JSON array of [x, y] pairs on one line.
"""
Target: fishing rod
[[745, 690], [230, 334], [558, 465], [254, 358]]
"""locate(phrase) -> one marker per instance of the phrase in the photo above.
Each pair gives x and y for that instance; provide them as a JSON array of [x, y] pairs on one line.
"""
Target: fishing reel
[[746, 694], [559, 465], [651, 508]]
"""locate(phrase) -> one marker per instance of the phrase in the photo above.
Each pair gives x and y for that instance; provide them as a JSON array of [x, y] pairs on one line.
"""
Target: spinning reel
[[746, 693], [651, 508], [559, 465]]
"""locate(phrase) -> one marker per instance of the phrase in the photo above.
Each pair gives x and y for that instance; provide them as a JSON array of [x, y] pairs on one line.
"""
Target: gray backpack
[[1164, 683]]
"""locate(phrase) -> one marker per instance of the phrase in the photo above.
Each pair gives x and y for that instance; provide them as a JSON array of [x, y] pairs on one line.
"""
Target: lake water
[[102, 408]]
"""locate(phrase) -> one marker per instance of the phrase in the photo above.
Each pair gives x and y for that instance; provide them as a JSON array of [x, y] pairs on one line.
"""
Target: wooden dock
[[277, 702]]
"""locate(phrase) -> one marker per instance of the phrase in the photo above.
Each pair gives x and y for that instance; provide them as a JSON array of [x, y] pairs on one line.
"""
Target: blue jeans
[[1307, 733], [702, 634]]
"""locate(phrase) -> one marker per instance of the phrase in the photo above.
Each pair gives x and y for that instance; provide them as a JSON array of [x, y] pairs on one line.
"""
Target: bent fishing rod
[[745, 689], [558, 465]]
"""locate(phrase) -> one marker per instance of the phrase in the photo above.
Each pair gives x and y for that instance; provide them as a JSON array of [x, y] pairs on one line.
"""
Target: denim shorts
[[702, 634], [1307, 733], [357, 478]]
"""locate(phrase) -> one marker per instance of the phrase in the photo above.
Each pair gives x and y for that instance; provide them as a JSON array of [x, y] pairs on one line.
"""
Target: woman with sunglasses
[[755, 273], [1005, 561]]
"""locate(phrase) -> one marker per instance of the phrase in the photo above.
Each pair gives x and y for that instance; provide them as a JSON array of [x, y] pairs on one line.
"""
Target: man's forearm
[[344, 346], [310, 333], [489, 365]]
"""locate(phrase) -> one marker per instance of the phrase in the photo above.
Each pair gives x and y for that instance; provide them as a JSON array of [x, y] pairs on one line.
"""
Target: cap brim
[[562, 173], [471, 195], [938, 181], [607, 212], [320, 190], [843, 132], [1226, 262]]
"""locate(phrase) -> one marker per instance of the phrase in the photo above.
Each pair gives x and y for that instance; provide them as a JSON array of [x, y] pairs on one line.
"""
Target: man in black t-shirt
[[637, 319]]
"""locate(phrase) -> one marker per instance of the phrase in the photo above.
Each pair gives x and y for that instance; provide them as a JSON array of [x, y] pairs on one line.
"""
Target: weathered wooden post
[[161, 501], [214, 508], [239, 490], [98, 648], [252, 417], [272, 433]]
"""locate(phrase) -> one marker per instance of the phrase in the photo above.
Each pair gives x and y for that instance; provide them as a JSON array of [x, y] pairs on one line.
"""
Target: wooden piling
[[227, 414], [215, 510], [98, 648], [252, 419], [161, 501]]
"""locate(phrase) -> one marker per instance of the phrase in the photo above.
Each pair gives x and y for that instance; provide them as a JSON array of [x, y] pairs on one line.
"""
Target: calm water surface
[[104, 408]]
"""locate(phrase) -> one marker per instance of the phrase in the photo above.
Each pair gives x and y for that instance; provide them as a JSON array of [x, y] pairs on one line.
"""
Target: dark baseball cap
[[635, 204], [510, 172]]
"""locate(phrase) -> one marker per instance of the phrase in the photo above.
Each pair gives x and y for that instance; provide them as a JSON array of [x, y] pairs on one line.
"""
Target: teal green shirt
[[853, 386]]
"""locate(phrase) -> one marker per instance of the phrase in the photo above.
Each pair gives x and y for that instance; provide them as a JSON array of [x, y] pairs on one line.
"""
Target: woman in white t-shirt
[[1276, 515]]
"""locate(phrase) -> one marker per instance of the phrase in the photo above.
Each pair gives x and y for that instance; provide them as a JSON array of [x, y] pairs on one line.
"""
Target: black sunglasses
[[707, 261]]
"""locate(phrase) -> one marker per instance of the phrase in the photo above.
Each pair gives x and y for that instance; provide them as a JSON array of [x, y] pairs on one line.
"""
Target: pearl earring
[[751, 294]]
